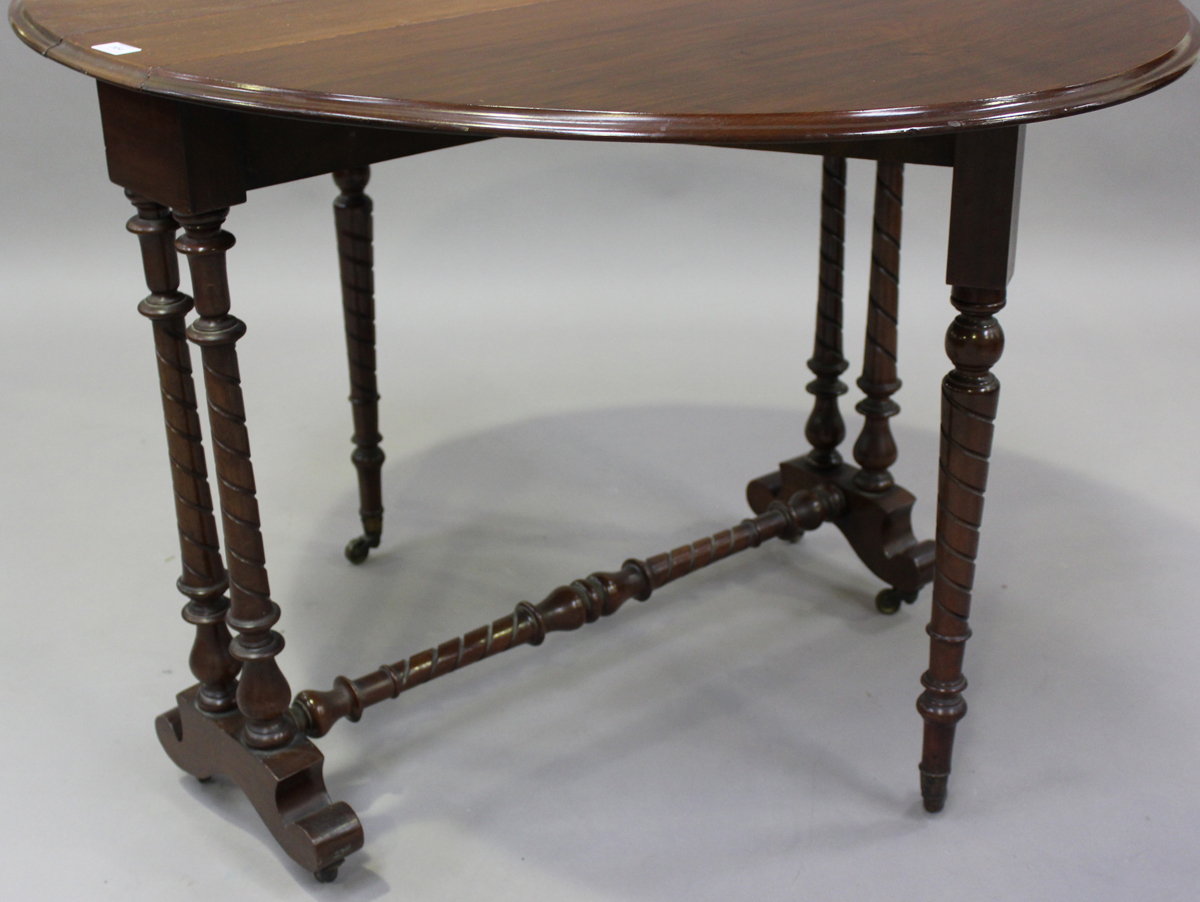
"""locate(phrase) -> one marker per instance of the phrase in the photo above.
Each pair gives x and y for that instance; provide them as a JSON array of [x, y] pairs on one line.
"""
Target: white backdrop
[[586, 350]]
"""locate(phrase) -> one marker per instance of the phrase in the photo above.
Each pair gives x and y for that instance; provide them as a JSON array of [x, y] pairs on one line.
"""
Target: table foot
[[933, 790], [285, 785], [878, 525]]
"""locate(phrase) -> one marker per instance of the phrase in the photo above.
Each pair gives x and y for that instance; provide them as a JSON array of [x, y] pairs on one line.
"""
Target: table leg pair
[[240, 720], [235, 721]]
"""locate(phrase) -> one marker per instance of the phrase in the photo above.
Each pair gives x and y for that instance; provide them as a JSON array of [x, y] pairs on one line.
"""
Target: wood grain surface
[[683, 70]]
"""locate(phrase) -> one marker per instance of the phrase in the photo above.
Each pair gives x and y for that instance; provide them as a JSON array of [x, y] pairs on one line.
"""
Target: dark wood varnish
[[227, 96], [878, 515], [566, 608], [196, 158], [284, 784], [878, 525], [875, 449], [683, 70], [352, 218], [984, 202], [970, 394], [825, 428], [204, 580], [263, 693]]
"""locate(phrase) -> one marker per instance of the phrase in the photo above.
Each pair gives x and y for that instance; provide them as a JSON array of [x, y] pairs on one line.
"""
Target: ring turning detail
[[566, 608]]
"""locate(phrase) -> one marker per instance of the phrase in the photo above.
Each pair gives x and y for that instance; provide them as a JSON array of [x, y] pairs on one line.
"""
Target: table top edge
[[616, 125]]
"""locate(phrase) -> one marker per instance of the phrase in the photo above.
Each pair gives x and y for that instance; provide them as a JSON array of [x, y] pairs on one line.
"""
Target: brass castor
[[888, 601], [358, 549], [327, 874]]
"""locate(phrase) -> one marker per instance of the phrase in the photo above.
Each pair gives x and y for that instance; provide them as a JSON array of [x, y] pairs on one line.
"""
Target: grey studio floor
[[585, 352]]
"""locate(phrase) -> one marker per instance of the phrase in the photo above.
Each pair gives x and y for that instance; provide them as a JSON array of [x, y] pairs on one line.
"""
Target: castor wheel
[[327, 874], [358, 549], [888, 601]]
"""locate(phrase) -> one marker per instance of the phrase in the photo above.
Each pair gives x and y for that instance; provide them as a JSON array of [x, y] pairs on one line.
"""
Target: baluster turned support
[[263, 693], [203, 581], [352, 217], [970, 394], [983, 231], [875, 449], [826, 428], [566, 608]]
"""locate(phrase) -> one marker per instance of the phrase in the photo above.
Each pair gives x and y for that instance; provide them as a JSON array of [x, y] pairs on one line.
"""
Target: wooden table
[[205, 100]]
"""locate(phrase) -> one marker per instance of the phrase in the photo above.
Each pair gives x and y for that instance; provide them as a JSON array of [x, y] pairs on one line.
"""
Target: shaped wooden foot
[[285, 785], [878, 525]]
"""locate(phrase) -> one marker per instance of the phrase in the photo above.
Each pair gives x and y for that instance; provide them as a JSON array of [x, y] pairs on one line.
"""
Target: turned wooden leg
[[263, 693], [982, 244], [970, 394], [825, 428], [875, 449], [203, 581], [352, 216]]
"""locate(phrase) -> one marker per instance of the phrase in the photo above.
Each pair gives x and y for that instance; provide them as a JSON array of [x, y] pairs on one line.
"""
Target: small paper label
[[116, 48]]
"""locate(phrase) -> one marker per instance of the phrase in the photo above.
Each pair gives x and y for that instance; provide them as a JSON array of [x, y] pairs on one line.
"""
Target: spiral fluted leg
[[875, 449], [263, 694], [877, 521], [352, 217], [256, 745], [203, 580], [970, 394], [826, 428]]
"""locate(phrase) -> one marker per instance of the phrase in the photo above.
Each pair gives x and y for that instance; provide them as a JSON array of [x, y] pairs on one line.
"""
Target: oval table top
[[684, 70]]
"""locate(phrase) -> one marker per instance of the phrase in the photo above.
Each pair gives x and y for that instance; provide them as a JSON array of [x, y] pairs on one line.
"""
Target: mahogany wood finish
[[257, 744], [226, 96], [195, 158], [566, 608], [285, 785], [352, 218], [878, 525], [929, 150], [826, 428], [983, 236], [875, 449], [203, 581], [263, 693], [674, 70]]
